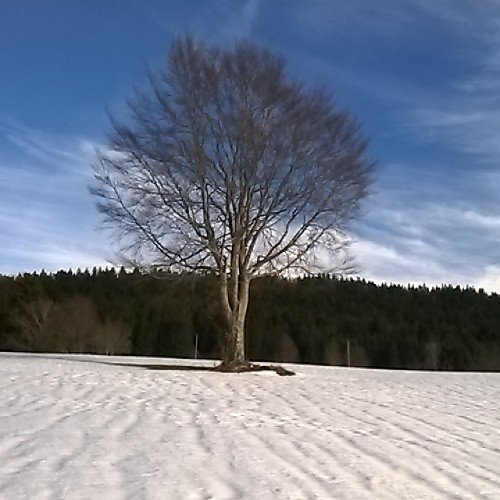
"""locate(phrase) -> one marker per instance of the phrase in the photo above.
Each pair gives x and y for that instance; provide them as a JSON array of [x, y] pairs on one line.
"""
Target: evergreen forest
[[307, 320]]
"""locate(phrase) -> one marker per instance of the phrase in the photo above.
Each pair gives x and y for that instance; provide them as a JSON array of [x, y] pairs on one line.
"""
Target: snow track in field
[[77, 427]]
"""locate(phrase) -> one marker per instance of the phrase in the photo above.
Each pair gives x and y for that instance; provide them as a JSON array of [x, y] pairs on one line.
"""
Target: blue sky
[[423, 76]]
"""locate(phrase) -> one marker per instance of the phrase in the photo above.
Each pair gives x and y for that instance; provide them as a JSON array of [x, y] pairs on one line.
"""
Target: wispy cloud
[[219, 20], [435, 215], [433, 221], [442, 233], [395, 16], [47, 219], [467, 116], [226, 20], [241, 21]]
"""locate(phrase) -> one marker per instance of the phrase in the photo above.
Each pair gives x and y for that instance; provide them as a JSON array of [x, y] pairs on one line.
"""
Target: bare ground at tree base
[[232, 367]]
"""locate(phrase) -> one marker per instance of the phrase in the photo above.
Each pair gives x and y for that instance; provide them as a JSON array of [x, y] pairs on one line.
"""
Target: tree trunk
[[235, 313]]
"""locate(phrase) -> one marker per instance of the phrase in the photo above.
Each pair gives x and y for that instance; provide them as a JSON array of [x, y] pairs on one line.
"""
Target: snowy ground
[[77, 427]]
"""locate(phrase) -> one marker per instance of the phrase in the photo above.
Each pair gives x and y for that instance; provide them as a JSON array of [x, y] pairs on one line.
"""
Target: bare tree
[[34, 321], [113, 337], [228, 166]]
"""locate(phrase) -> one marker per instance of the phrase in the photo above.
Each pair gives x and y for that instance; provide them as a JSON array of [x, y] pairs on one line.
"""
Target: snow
[[79, 427]]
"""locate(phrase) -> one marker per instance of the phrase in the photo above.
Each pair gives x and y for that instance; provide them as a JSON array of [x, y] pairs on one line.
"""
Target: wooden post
[[348, 353], [196, 346]]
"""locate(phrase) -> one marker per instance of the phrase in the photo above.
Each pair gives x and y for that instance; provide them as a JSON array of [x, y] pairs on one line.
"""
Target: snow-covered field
[[78, 427]]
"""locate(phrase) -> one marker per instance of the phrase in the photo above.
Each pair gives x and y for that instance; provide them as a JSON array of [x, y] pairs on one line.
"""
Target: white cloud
[[438, 223], [47, 217], [417, 231], [388, 263], [490, 279], [421, 226]]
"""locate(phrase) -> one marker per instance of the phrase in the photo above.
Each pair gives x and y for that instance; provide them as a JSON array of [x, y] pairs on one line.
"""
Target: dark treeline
[[306, 320]]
